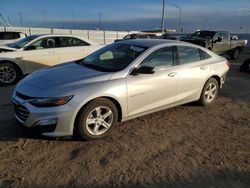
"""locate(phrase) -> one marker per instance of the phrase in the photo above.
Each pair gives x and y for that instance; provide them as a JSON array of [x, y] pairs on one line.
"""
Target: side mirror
[[143, 70], [219, 39], [30, 48]]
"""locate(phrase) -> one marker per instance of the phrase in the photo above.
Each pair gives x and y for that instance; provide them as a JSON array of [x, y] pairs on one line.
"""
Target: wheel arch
[[217, 78], [116, 103], [13, 63]]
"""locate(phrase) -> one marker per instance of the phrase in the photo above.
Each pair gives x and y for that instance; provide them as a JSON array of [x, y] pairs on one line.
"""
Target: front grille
[[21, 112]]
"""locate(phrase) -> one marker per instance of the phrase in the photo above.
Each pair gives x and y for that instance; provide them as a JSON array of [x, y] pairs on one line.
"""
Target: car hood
[[5, 48], [67, 76]]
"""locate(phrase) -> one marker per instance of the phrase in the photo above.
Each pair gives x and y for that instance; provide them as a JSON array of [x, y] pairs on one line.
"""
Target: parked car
[[172, 36], [120, 81], [7, 37], [137, 36], [219, 42], [39, 51]]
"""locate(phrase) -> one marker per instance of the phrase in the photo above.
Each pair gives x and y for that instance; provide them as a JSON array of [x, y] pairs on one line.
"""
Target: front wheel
[[209, 92], [96, 119], [9, 74]]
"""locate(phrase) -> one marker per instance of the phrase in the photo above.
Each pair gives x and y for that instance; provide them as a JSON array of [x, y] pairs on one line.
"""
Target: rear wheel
[[96, 119], [9, 74], [209, 92]]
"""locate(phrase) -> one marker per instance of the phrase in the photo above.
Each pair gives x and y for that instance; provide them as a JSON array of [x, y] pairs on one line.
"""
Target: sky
[[230, 15]]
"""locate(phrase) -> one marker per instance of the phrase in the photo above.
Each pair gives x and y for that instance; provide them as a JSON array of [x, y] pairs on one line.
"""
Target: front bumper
[[49, 121]]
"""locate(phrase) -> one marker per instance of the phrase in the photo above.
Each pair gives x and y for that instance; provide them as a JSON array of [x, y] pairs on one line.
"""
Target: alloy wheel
[[99, 120], [7, 74], [210, 92]]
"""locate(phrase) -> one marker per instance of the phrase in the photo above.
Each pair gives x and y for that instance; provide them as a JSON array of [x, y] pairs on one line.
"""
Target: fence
[[99, 36]]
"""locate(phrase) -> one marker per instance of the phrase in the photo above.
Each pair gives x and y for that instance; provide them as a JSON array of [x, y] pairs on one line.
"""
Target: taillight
[[228, 64]]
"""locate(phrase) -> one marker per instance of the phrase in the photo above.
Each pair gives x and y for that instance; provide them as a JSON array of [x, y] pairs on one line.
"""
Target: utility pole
[[21, 18], [99, 21], [44, 17], [73, 20], [163, 16]]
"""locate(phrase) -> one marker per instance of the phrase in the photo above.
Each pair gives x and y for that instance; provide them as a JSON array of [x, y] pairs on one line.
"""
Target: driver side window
[[43, 44], [160, 58]]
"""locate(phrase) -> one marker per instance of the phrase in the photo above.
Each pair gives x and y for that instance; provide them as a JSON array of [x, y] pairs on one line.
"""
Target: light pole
[[44, 18], [21, 19], [73, 20], [99, 21], [179, 24], [163, 16]]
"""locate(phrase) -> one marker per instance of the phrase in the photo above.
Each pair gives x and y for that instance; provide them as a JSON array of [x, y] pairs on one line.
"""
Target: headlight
[[50, 102]]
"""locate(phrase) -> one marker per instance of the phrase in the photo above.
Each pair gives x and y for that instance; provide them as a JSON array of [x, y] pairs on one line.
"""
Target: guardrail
[[99, 36]]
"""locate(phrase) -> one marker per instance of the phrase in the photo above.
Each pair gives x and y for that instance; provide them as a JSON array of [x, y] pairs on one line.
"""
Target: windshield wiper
[[91, 66]]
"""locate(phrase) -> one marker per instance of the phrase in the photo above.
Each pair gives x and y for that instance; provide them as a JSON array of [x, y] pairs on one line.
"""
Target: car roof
[[149, 42]]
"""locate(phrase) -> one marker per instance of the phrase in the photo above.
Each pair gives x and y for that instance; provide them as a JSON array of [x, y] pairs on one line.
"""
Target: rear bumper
[[223, 79]]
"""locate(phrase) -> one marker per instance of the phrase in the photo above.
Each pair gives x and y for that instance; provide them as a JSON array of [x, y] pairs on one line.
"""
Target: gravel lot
[[188, 146]]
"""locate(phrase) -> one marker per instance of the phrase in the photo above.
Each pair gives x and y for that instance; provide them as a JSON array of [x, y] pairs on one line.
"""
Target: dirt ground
[[186, 146]]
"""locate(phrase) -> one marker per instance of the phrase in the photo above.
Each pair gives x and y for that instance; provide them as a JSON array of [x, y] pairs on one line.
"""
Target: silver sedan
[[119, 82]]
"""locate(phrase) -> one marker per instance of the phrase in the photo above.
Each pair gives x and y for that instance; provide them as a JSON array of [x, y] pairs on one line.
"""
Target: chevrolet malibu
[[118, 82]]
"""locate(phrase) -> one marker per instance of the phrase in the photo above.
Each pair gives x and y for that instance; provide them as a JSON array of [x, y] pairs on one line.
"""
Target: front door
[[150, 91]]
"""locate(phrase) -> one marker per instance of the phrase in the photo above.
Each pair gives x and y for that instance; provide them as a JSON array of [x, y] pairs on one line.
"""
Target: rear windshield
[[204, 34]]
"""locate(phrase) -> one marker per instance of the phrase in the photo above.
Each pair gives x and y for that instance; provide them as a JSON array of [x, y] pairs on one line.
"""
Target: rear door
[[193, 68], [42, 53], [72, 48], [150, 91]]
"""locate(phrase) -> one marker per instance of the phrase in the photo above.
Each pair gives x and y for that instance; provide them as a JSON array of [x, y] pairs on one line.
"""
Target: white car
[[8, 37], [39, 51]]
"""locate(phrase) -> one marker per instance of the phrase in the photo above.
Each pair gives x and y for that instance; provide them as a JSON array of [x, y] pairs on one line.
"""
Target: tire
[[235, 54], [98, 126], [209, 92], [9, 74]]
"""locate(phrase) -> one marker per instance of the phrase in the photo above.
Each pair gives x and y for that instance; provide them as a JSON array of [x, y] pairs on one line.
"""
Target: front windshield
[[113, 57], [204, 34], [21, 43]]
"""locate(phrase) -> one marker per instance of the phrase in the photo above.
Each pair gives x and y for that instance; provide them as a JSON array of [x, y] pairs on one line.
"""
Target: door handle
[[172, 74], [203, 67]]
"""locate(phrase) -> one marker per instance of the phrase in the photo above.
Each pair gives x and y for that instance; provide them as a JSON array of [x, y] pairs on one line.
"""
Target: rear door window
[[71, 41], [188, 54], [204, 55]]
